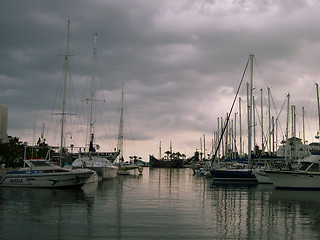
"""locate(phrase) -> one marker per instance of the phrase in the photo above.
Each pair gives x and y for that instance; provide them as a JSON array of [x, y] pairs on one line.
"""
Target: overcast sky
[[180, 61]]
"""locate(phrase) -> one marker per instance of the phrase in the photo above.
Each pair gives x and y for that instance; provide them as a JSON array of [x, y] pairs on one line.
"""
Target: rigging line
[[130, 130], [53, 106], [277, 117], [307, 121], [227, 120]]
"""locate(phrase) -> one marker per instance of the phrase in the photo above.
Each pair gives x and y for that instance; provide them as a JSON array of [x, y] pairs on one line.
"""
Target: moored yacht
[[307, 176], [104, 168], [40, 173]]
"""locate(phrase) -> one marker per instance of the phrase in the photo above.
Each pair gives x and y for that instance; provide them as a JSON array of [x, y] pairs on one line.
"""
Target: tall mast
[[218, 136], [294, 130], [240, 129], [91, 124], [201, 153], [272, 121], [250, 98], [249, 125], [204, 146], [64, 94], [287, 128], [269, 112], [303, 133], [254, 124], [235, 135], [262, 143], [317, 87], [120, 136], [226, 136]]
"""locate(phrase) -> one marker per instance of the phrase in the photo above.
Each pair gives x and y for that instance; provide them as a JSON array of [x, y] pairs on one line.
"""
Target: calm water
[[160, 204]]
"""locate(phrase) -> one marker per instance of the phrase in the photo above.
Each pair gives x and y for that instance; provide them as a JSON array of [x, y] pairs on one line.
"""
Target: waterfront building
[[3, 124]]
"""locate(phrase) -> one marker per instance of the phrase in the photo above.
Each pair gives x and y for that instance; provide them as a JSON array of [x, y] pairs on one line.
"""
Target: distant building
[[3, 124], [296, 149]]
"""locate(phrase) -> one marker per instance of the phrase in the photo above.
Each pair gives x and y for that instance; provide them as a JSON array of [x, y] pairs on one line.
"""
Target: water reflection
[[31, 213], [262, 212], [160, 204]]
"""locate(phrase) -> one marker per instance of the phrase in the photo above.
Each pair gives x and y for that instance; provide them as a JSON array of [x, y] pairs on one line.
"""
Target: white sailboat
[[103, 166], [123, 166], [40, 173]]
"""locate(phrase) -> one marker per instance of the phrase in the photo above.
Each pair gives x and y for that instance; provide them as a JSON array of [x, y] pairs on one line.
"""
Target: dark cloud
[[181, 63]]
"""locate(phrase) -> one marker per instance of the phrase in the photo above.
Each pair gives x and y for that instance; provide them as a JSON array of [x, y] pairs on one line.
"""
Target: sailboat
[[41, 173], [235, 174], [124, 167], [103, 166]]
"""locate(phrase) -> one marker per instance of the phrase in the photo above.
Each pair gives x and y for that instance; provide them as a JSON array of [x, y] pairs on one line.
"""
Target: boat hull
[[103, 167], [262, 177], [124, 170], [294, 180], [174, 163], [244, 175], [105, 173], [38, 179]]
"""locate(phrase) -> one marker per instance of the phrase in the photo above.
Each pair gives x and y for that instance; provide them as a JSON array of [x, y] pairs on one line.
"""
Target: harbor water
[[160, 204]]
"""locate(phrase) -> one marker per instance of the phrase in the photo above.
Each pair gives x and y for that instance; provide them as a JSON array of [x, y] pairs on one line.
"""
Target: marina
[[169, 120], [163, 203]]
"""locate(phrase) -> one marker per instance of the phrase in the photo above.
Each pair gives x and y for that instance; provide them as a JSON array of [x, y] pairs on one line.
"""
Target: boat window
[[304, 166], [40, 163], [314, 167]]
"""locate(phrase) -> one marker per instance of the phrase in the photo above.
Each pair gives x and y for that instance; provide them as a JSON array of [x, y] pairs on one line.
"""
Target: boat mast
[[294, 131], [217, 139], [227, 120], [317, 87], [249, 125], [262, 144], [303, 133], [269, 112], [272, 131], [120, 136], [64, 94], [204, 146], [235, 135], [240, 128], [287, 126], [250, 101], [254, 125], [91, 99]]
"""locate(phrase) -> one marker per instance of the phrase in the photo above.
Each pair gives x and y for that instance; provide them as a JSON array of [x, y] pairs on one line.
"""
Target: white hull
[[262, 177], [103, 167], [295, 180], [94, 178], [39, 179], [106, 172]]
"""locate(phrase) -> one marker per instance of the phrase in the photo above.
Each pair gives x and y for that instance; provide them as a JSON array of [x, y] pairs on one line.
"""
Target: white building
[[296, 149], [3, 123]]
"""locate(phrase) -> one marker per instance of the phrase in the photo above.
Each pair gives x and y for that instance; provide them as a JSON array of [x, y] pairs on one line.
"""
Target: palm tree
[[168, 154]]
